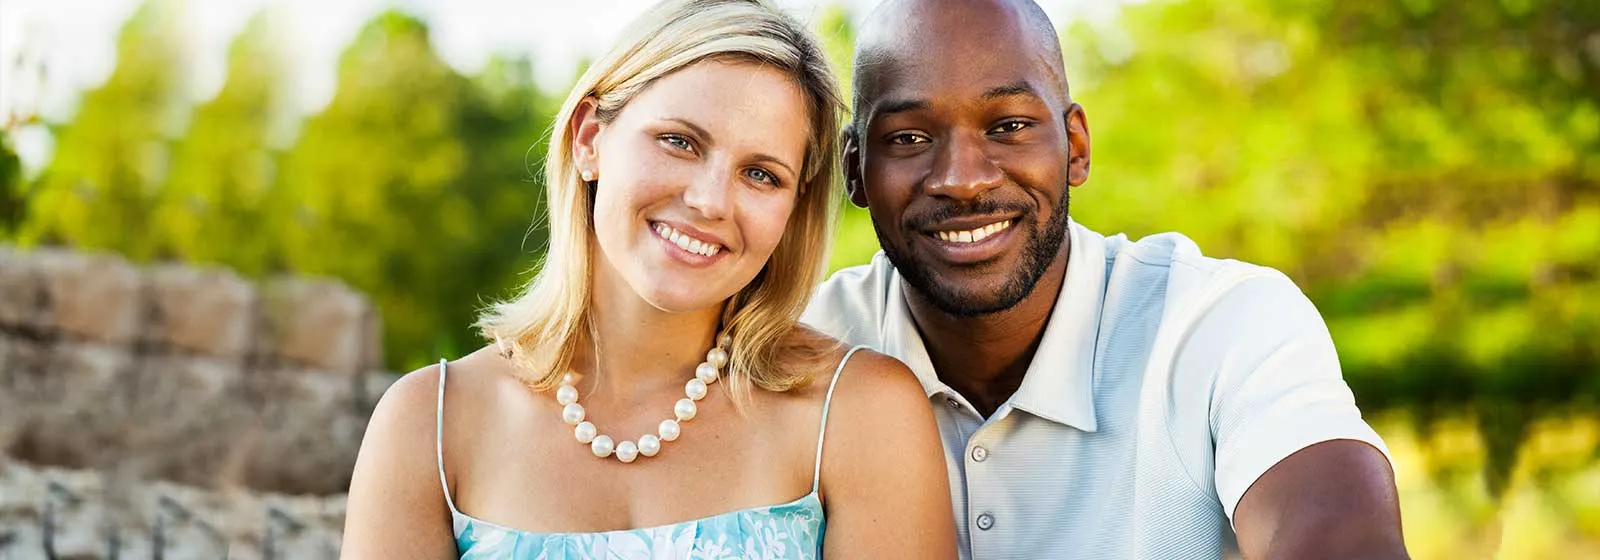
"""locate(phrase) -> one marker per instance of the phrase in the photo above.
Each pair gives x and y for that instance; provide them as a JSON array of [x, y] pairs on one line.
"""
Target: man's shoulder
[[1186, 270], [1195, 287]]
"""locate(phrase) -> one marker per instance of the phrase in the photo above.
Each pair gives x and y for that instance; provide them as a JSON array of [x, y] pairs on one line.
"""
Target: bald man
[[1098, 397]]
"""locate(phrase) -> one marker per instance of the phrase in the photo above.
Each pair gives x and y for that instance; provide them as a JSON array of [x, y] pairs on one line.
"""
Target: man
[[1098, 397]]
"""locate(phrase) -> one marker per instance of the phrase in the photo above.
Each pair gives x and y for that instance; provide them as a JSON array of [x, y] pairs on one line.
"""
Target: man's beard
[[1037, 255]]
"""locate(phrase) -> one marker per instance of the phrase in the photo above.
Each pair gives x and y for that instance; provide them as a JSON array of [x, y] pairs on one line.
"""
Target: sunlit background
[[1428, 171]]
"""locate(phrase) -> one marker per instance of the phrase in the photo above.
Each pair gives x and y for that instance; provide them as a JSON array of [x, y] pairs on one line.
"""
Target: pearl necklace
[[627, 451]]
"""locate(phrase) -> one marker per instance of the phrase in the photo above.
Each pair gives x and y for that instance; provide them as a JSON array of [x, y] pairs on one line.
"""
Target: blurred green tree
[[211, 208], [110, 160], [12, 198], [412, 186], [1427, 171]]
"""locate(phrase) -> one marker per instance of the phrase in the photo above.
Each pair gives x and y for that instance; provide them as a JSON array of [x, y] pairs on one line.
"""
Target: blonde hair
[[543, 327]]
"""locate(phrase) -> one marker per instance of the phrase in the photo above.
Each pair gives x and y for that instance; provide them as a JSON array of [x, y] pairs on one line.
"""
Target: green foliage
[[211, 208], [1429, 173], [411, 186], [110, 160], [11, 185]]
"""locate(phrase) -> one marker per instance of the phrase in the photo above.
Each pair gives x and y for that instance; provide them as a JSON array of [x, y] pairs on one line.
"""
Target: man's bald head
[[906, 32]]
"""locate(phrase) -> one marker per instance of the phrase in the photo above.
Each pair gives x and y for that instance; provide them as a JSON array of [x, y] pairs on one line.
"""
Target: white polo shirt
[[1165, 384]]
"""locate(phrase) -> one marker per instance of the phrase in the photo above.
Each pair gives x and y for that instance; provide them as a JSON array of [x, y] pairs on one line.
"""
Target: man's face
[[964, 158]]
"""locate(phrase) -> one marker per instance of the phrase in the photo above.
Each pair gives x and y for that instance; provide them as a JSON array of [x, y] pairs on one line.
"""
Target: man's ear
[[1077, 145], [853, 185], [585, 127]]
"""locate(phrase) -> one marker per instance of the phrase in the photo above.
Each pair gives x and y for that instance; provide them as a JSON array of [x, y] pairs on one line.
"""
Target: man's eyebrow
[[1010, 90], [901, 106], [893, 106]]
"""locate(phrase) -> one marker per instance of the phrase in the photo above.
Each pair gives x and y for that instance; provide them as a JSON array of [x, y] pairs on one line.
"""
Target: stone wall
[[183, 385]]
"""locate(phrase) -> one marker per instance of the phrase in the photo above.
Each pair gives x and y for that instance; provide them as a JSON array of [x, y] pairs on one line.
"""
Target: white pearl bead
[[627, 451], [696, 389], [717, 357], [684, 410], [572, 414], [669, 430], [585, 432], [601, 446], [568, 379], [649, 445], [567, 394], [724, 340], [706, 372]]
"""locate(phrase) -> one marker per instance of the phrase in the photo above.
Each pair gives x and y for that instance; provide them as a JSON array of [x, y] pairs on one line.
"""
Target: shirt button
[[979, 454], [985, 521]]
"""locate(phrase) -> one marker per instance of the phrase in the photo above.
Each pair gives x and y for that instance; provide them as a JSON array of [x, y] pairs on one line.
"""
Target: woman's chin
[[684, 301]]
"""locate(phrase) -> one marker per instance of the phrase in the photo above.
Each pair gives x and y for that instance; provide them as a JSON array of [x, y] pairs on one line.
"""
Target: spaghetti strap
[[822, 431], [439, 441]]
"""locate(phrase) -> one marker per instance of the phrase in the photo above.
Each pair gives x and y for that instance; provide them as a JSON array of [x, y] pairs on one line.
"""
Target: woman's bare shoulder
[[867, 370]]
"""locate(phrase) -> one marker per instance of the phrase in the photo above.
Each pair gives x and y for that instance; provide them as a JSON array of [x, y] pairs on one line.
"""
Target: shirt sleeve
[[1278, 387]]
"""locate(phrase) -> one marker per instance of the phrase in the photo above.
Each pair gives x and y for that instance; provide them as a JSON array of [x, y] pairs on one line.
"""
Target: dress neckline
[[810, 499]]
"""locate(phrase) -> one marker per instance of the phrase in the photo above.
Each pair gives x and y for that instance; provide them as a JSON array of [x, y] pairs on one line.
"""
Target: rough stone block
[[188, 420], [78, 404], [207, 311], [22, 373], [23, 303], [93, 297], [311, 429], [319, 324]]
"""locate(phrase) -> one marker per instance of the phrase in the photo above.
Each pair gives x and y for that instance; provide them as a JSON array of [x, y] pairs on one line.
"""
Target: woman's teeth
[[974, 235], [683, 241]]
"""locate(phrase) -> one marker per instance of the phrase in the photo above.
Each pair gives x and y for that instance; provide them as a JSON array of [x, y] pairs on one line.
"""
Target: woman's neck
[[640, 347]]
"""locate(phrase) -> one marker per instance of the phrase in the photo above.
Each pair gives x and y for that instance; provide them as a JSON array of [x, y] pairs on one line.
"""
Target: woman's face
[[697, 176]]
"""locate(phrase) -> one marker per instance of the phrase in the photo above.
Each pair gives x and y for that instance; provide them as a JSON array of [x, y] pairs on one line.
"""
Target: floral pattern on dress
[[790, 531]]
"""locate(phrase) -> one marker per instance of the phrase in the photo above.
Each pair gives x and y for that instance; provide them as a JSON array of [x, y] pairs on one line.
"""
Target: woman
[[650, 394]]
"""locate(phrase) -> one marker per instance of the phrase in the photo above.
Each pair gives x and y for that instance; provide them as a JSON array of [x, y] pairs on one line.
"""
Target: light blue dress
[[779, 532]]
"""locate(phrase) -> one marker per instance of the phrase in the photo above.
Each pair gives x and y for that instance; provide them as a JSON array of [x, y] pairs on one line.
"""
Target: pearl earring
[[588, 175]]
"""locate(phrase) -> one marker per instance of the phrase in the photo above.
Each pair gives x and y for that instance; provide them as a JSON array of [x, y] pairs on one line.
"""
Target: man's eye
[[906, 139], [1009, 127]]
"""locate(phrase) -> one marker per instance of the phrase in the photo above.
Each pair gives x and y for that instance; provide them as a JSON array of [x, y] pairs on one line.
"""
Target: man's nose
[[963, 169]]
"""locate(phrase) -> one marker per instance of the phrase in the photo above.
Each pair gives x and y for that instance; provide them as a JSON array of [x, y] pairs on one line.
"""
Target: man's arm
[[1298, 471], [1334, 499]]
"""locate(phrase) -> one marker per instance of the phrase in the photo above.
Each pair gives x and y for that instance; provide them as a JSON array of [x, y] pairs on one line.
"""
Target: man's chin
[[970, 295]]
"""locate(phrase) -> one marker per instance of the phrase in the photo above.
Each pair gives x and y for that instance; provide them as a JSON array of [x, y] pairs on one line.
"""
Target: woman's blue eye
[[763, 176], [678, 142]]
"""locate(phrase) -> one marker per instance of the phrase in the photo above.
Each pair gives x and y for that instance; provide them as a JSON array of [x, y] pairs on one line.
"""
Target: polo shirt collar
[[1059, 384]]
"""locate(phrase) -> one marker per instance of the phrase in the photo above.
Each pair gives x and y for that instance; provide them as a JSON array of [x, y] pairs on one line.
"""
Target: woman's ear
[[585, 134]]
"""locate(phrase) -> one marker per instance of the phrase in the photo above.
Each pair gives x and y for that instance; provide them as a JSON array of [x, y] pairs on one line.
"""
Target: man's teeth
[[683, 241], [974, 235]]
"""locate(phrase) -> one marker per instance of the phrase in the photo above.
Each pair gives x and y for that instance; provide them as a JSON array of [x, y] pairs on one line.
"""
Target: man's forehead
[[965, 49]]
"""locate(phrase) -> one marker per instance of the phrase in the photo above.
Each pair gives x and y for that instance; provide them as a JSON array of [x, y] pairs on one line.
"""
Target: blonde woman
[[650, 394]]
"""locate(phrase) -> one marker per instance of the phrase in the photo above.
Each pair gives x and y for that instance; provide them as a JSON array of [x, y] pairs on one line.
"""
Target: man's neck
[[985, 357]]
